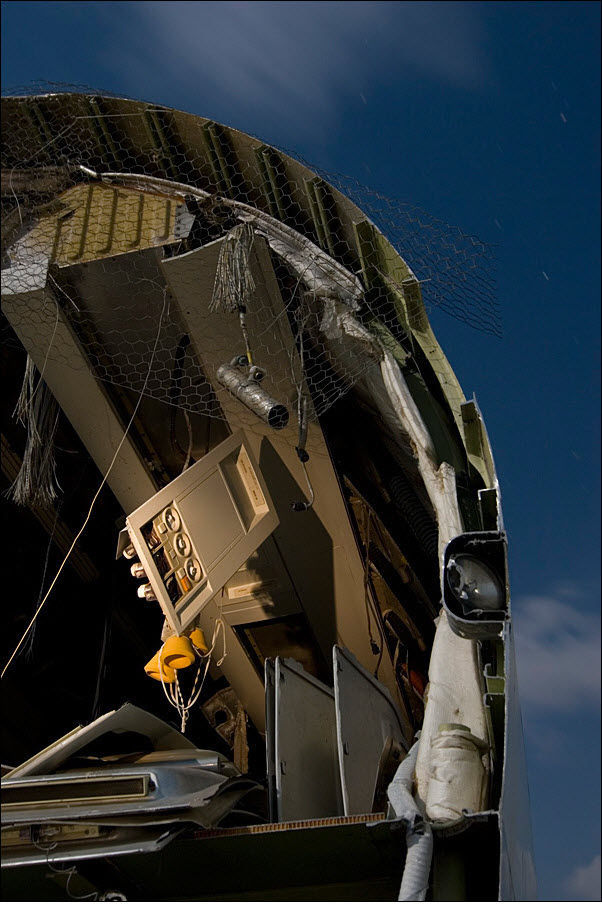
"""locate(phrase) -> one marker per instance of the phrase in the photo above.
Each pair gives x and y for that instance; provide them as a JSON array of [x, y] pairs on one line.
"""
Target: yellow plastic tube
[[152, 670], [178, 652], [198, 640]]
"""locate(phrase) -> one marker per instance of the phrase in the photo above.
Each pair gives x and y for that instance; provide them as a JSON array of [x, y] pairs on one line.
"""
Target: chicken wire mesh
[[456, 270], [175, 257]]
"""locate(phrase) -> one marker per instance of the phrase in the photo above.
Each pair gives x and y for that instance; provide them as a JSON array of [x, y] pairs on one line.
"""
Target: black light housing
[[475, 584]]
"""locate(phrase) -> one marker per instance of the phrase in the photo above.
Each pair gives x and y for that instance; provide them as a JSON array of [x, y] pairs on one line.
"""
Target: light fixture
[[474, 584]]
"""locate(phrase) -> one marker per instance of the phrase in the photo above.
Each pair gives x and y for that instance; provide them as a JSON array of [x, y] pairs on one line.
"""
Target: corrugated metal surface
[[97, 221]]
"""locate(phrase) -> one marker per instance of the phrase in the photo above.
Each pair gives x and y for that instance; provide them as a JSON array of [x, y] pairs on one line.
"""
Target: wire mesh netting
[[456, 270], [261, 276]]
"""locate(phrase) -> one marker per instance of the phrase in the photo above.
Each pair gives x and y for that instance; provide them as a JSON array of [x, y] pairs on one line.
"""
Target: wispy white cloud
[[303, 58], [584, 883], [558, 653], [569, 590]]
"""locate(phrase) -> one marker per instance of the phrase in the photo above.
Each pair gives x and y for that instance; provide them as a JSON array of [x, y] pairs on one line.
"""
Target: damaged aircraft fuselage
[[308, 503]]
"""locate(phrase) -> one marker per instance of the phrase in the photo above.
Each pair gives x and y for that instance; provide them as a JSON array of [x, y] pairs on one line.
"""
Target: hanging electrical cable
[[98, 491], [173, 691], [234, 284]]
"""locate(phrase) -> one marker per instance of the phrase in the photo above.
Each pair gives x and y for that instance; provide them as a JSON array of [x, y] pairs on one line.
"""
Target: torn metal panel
[[382, 264], [127, 718], [439, 481], [367, 719], [308, 783], [101, 804], [108, 792]]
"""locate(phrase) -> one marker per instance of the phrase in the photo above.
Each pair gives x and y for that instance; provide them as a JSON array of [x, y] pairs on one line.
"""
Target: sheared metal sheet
[[127, 718], [306, 762], [366, 719]]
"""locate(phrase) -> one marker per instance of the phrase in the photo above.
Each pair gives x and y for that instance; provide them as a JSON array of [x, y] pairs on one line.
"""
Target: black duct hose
[[414, 514]]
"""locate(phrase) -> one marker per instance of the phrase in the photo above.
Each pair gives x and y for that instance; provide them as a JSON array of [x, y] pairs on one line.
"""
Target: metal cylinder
[[250, 393]]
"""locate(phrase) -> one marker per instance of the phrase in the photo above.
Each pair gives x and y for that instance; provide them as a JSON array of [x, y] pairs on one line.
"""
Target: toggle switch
[[137, 571]]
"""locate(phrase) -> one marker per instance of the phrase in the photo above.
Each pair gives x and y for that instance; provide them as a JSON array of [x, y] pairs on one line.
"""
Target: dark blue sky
[[487, 116]]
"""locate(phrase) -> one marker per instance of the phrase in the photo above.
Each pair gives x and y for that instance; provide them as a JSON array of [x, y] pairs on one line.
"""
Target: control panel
[[192, 536]]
